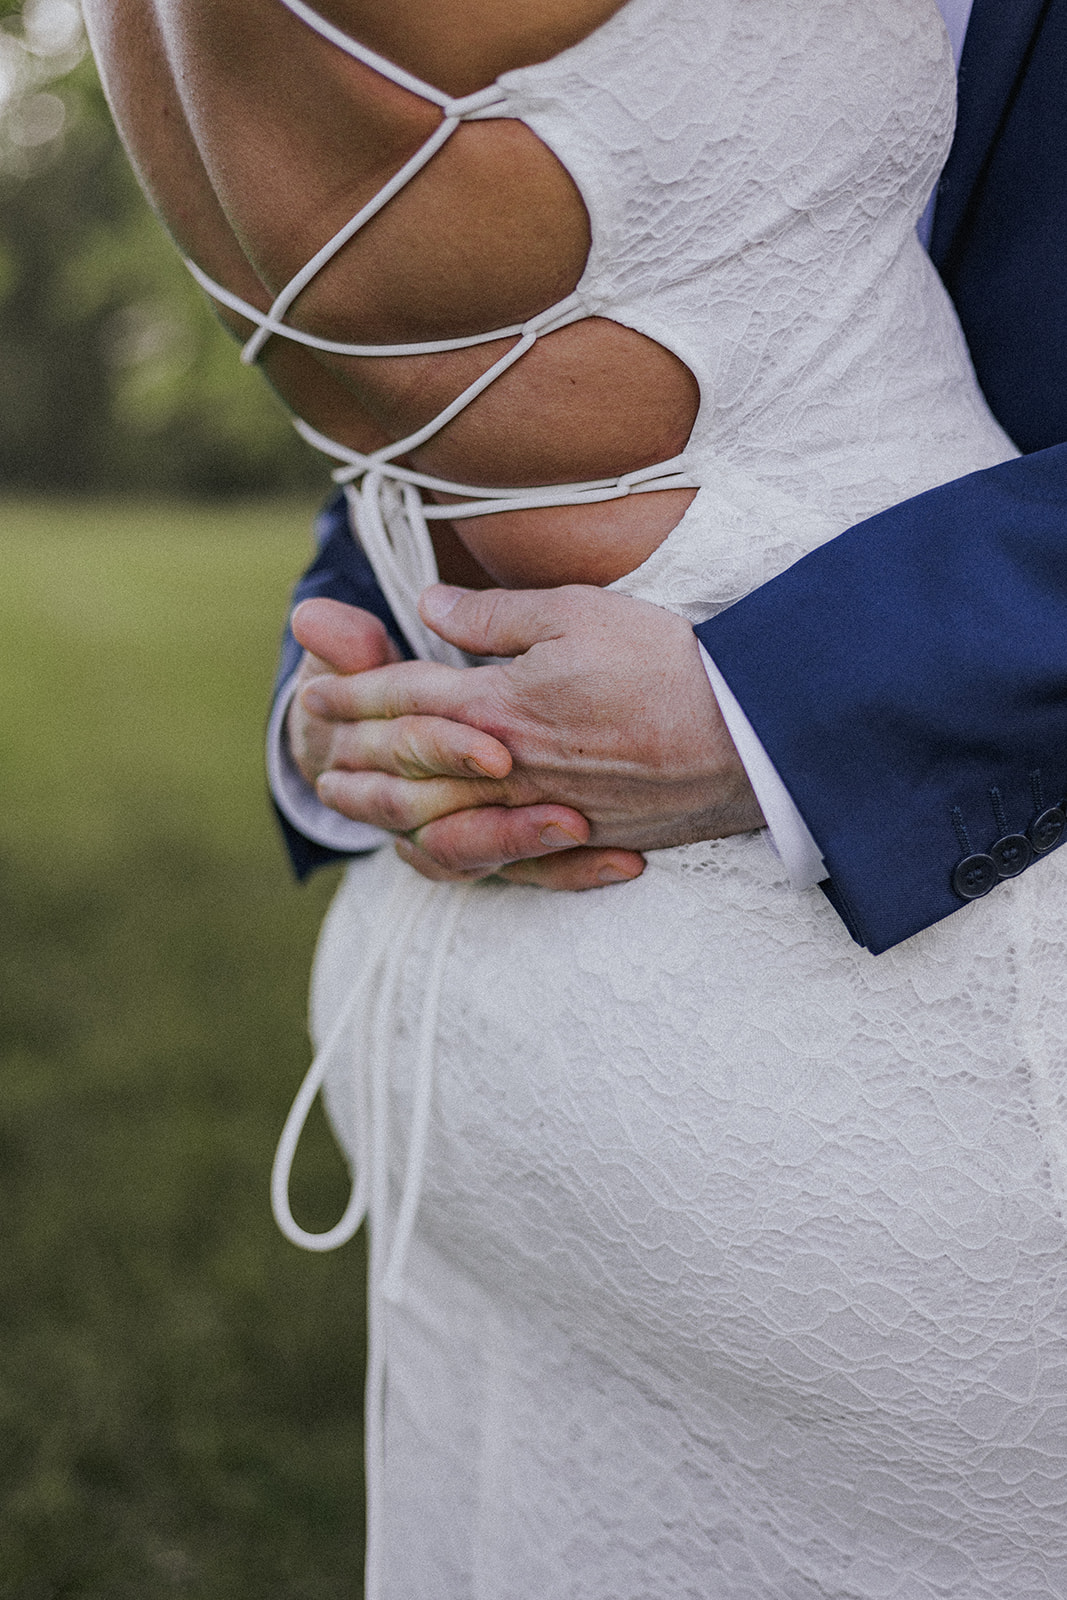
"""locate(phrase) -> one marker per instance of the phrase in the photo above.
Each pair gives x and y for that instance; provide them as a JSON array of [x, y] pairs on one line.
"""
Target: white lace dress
[[735, 1262]]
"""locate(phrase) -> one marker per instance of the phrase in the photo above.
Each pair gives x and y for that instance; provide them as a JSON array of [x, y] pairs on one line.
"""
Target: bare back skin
[[257, 140]]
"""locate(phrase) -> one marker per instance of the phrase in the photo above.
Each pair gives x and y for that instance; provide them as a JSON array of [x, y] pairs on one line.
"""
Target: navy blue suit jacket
[[909, 679]]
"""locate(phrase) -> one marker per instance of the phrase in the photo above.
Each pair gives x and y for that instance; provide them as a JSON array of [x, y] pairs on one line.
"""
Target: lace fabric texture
[[738, 1268]]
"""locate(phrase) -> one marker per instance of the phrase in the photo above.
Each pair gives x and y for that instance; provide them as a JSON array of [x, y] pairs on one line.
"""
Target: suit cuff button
[[1046, 829], [1012, 854], [974, 876]]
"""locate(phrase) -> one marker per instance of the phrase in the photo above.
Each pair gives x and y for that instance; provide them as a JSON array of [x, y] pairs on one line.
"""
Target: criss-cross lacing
[[388, 515]]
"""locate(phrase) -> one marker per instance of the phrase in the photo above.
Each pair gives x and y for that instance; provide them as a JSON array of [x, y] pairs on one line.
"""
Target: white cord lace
[[364, 1053], [402, 573]]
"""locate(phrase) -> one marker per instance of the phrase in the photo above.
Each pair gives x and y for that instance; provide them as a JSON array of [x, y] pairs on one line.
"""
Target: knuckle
[[572, 601], [493, 710], [414, 748], [344, 794], [493, 605], [343, 750], [482, 604], [560, 875], [458, 844], [392, 807], [478, 611], [518, 836], [450, 857], [498, 615]]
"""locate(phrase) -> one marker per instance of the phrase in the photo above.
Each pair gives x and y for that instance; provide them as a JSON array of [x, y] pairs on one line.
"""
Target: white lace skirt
[[737, 1264]]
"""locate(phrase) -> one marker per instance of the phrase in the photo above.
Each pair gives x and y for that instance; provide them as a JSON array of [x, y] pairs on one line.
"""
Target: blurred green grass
[[179, 1388]]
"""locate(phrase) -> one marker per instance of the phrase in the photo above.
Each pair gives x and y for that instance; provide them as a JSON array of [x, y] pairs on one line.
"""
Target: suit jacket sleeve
[[340, 571], [909, 681]]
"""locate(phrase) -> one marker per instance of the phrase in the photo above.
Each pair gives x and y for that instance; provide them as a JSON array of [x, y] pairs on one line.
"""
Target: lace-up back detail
[[715, 148], [384, 493]]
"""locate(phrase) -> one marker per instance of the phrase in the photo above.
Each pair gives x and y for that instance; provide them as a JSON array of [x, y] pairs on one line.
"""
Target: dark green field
[[179, 1388]]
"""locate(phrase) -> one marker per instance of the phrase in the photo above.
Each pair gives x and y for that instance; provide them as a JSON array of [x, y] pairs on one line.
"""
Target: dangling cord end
[[354, 1211], [356, 1208]]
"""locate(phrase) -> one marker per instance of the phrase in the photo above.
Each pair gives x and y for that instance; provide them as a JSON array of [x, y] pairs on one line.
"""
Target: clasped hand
[[597, 738]]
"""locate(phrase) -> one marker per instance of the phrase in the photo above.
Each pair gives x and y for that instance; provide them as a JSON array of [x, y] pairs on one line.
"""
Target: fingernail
[[475, 768], [437, 601], [613, 875], [314, 701], [553, 837]]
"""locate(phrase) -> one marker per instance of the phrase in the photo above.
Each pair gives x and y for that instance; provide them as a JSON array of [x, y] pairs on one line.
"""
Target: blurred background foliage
[[179, 1387], [115, 374]]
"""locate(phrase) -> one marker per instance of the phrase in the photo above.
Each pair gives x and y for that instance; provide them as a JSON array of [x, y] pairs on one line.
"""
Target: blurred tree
[[114, 374]]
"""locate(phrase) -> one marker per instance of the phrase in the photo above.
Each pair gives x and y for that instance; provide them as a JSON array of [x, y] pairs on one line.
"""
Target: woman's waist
[[904, 411]]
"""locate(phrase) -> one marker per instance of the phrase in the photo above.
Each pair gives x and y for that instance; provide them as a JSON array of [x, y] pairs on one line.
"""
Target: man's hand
[[602, 728]]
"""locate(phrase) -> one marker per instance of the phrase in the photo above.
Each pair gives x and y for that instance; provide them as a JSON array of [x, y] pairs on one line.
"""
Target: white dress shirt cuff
[[297, 800], [789, 833]]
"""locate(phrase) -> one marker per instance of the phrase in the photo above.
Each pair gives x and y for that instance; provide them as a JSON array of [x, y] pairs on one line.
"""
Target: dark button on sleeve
[[974, 876], [1012, 854], [1046, 829]]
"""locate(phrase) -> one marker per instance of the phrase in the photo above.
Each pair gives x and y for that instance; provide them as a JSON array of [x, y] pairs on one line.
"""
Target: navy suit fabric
[[918, 660], [909, 679], [949, 696], [340, 571], [999, 227]]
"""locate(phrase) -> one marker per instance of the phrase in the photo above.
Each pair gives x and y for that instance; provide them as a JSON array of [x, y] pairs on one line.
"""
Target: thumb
[[344, 638], [493, 622]]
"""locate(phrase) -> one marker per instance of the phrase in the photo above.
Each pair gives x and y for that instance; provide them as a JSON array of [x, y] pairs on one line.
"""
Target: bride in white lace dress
[[712, 1257]]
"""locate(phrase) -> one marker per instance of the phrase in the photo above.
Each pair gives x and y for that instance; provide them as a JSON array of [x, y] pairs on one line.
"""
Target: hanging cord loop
[[342, 1046]]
